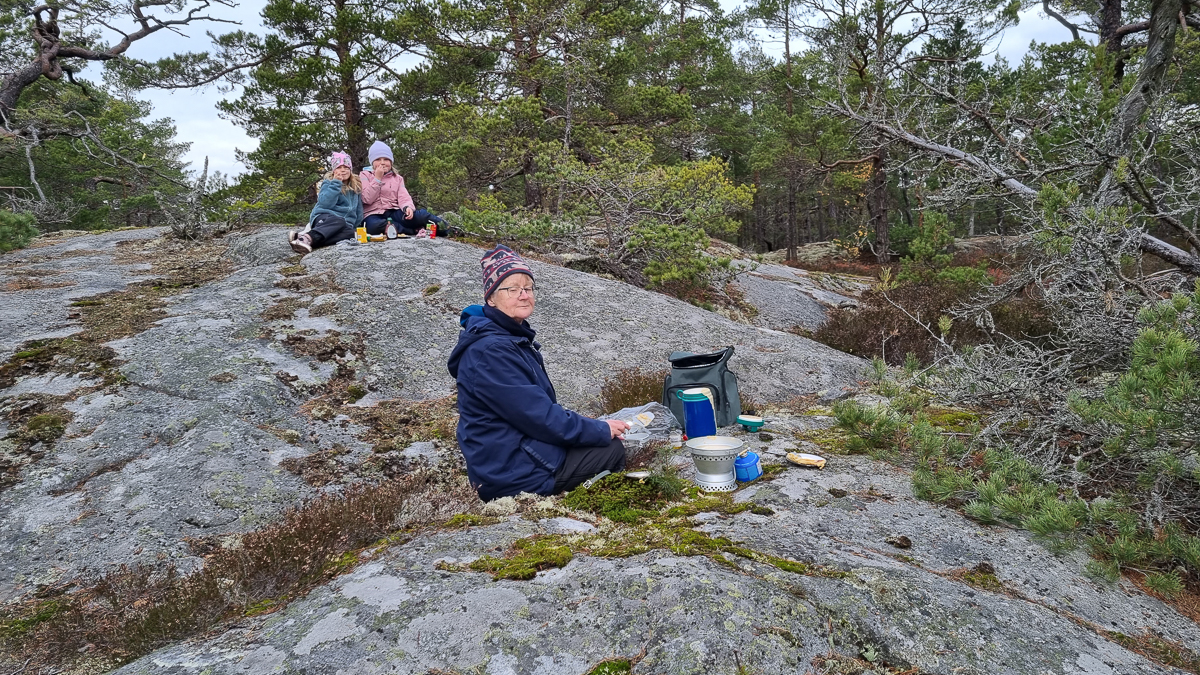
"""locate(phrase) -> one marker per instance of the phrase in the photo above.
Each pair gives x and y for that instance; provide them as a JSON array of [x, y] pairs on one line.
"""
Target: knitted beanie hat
[[379, 149], [340, 159], [499, 263]]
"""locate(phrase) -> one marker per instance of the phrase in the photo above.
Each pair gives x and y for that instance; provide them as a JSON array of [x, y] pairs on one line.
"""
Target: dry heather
[[119, 616]]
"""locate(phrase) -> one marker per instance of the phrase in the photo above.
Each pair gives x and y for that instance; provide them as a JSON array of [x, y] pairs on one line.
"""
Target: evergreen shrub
[[16, 230]]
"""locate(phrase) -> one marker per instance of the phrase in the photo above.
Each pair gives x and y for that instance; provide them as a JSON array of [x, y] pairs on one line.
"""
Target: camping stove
[[714, 457]]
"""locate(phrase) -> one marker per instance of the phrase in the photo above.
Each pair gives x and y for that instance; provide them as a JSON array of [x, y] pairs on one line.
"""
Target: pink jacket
[[381, 195]]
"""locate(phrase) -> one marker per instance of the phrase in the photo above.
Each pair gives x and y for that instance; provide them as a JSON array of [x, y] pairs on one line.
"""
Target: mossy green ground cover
[[643, 519]]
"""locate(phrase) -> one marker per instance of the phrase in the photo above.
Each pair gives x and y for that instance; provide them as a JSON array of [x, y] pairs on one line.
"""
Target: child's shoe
[[302, 244]]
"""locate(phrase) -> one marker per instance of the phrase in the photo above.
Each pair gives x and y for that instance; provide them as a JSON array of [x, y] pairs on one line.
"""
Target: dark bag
[[704, 370]]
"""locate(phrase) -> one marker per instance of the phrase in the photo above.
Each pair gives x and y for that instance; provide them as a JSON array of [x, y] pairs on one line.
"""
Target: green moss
[[772, 470], [832, 441], [264, 606], [619, 498], [430, 290], [42, 611], [612, 667], [355, 392], [470, 520], [87, 303], [721, 502], [44, 422], [951, 420], [526, 558], [341, 563], [293, 271], [987, 581]]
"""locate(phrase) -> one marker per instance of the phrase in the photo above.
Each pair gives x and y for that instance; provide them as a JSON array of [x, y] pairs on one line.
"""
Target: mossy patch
[[293, 270], [719, 502], [311, 284], [19, 621], [526, 558], [320, 468], [612, 667], [982, 576], [470, 520], [430, 290], [832, 441], [35, 422], [70, 356], [622, 499], [46, 427], [263, 607], [957, 421]]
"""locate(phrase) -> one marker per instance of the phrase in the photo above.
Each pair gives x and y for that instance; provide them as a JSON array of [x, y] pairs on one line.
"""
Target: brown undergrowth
[[631, 387], [31, 282], [117, 617], [391, 426]]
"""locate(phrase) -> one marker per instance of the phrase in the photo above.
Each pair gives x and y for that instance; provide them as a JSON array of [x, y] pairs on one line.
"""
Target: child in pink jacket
[[386, 202]]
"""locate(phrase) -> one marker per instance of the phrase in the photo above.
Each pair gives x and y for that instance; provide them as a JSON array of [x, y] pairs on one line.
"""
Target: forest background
[[631, 134]]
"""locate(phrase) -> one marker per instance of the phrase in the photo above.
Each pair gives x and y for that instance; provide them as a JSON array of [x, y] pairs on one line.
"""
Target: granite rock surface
[[220, 400]]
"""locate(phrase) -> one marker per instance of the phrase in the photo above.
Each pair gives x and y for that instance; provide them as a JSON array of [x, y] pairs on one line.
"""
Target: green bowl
[[751, 422]]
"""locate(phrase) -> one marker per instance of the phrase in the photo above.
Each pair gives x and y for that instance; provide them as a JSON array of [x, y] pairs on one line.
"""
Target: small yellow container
[[361, 234]]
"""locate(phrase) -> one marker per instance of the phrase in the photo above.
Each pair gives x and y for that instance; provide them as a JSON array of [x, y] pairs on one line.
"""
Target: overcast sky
[[197, 121]]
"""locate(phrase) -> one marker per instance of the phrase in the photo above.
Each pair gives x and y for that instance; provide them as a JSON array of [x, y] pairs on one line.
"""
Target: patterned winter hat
[[499, 263], [340, 159]]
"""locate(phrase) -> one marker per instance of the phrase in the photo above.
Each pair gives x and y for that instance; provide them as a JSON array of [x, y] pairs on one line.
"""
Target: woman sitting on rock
[[338, 211], [512, 432], [386, 201]]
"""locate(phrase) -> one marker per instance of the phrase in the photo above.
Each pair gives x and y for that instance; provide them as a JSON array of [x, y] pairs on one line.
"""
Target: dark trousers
[[377, 223], [581, 464], [328, 230]]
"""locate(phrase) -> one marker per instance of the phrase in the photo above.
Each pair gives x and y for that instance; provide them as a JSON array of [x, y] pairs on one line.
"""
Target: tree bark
[[877, 204], [1160, 46], [352, 109]]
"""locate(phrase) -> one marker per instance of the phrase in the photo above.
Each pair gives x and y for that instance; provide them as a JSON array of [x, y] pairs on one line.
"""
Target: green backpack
[[704, 370]]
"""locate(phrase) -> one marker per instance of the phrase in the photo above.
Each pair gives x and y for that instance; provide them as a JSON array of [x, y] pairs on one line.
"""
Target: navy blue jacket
[[511, 429]]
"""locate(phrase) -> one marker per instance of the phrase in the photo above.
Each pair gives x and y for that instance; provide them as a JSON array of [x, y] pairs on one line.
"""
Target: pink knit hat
[[340, 159], [499, 263]]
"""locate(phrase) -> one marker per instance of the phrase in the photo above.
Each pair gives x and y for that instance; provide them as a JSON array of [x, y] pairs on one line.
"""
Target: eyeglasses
[[516, 291]]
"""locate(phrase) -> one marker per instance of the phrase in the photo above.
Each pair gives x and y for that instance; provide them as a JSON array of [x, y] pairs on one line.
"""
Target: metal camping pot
[[714, 457]]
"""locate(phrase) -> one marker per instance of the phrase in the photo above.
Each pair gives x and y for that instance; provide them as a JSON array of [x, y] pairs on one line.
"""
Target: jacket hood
[[476, 328], [481, 322]]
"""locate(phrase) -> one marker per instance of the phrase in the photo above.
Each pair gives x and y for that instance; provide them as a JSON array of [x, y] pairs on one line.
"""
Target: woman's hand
[[379, 172], [617, 428], [408, 213]]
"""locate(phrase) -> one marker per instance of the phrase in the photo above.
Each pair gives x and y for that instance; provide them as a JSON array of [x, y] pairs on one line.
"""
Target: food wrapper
[[652, 418], [805, 459]]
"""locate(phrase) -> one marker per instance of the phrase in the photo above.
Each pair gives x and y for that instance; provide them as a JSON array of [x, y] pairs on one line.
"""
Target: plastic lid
[[696, 394]]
